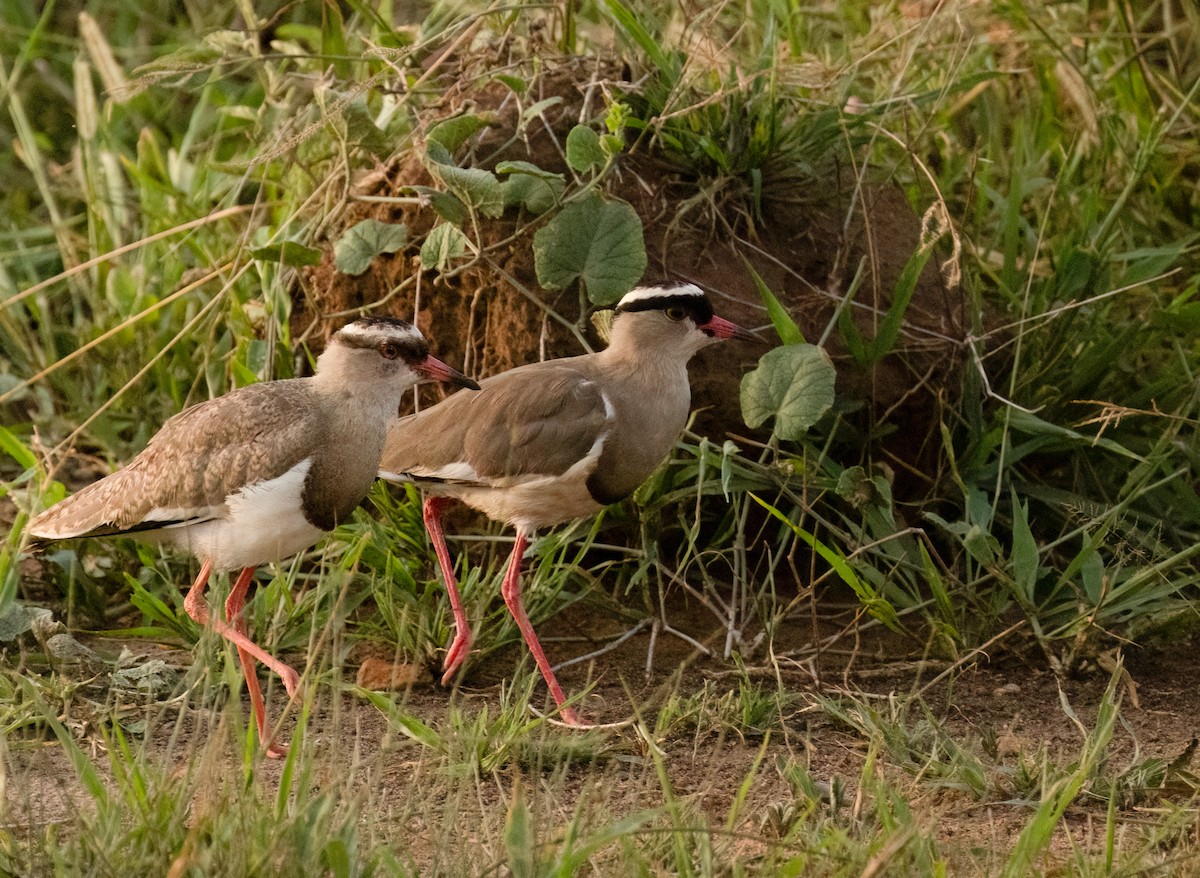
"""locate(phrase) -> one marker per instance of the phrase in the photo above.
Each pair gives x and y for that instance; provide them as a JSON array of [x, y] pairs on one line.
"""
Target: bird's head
[[672, 317], [383, 350]]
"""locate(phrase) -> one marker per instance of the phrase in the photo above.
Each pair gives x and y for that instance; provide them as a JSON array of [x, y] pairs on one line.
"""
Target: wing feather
[[192, 465], [521, 425]]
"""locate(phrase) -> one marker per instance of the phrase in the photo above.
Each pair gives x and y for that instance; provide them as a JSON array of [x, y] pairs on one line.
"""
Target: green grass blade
[[1036, 835], [876, 604]]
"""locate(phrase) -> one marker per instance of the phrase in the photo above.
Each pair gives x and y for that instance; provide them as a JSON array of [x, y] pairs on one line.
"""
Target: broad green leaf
[[362, 242], [981, 545], [1031, 425], [362, 130], [443, 244], [1091, 574], [1180, 318], [453, 133], [941, 594], [291, 253], [399, 719], [305, 37], [1075, 272], [595, 241], [520, 840], [447, 206], [846, 326], [536, 196], [889, 329], [528, 169], [476, 187], [517, 84], [794, 385], [856, 487], [584, 151], [333, 41], [537, 109], [335, 856], [1148, 262], [529, 186]]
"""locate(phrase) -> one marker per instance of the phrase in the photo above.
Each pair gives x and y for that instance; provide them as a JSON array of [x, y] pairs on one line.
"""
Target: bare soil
[[1008, 712]]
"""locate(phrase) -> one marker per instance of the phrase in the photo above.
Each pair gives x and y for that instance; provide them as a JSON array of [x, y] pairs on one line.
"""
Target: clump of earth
[[809, 239]]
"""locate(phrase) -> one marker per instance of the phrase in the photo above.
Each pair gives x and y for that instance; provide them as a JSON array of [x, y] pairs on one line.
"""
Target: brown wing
[[198, 458], [537, 420]]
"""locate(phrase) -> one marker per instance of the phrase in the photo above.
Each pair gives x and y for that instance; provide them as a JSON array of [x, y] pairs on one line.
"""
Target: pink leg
[[233, 613], [460, 647], [194, 604], [511, 591]]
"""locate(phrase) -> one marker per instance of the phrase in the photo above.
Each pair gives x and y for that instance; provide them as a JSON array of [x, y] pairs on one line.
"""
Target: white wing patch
[[268, 499], [460, 471], [177, 515], [610, 410]]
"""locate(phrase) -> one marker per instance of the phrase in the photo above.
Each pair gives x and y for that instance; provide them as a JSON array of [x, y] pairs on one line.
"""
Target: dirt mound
[[808, 240]]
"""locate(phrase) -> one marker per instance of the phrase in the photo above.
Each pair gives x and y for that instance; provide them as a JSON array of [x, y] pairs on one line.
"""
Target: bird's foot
[[276, 751], [568, 718], [459, 649], [291, 680], [572, 718]]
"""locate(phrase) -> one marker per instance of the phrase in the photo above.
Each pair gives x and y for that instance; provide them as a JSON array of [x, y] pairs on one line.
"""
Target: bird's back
[[191, 465], [540, 444]]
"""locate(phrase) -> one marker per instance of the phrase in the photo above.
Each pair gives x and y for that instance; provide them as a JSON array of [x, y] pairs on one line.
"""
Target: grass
[[175, 175], [485, 791]]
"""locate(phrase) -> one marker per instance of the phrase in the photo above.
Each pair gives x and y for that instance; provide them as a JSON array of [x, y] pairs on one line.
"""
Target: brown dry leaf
[[385, 676]]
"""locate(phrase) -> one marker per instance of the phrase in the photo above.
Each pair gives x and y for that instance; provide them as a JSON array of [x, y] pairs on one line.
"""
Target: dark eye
[[389, 350], [676, 312]]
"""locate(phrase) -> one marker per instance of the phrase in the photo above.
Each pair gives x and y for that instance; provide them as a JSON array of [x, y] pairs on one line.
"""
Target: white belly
[[261, 523], [531, 505]]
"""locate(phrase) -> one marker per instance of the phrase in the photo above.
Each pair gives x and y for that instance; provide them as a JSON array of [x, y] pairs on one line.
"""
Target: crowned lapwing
[[557, 440], [259, 474]]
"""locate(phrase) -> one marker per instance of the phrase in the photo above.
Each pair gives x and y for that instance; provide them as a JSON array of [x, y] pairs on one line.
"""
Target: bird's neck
[[623, 360], [373, 401]]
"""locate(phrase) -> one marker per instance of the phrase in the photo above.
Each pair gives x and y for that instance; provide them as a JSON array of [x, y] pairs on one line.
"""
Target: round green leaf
[[529, 186], [453, 132], [443, 244], [474, 186], [794, 385], [597, 241], [584, 151], [362, 242]]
